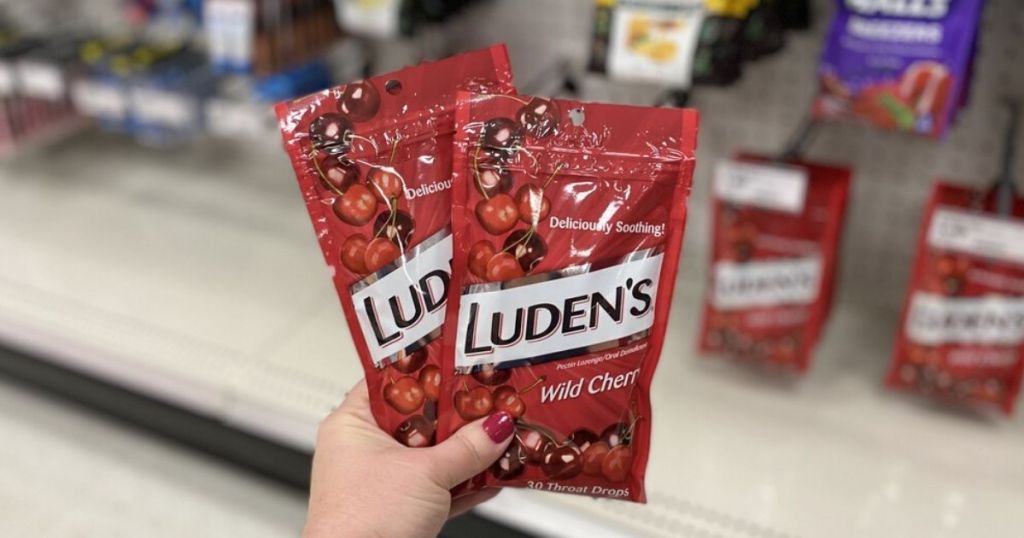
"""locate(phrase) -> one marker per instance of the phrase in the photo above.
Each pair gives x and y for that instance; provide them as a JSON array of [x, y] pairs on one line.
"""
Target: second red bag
[[961, 337], [775, 238]]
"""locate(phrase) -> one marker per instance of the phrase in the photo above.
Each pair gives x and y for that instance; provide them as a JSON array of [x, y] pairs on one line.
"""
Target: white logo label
[[934, 320], [557, 315], [771, 186], [406, 304], [767, 283], [980, 235]]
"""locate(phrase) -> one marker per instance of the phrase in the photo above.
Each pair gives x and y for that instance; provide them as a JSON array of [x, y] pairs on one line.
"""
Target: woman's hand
[[365, 483]]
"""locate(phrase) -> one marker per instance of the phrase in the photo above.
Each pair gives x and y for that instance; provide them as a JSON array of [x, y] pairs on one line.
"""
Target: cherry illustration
[[405, 395], [532, 204], [509, 400], [353, 253], [396, 225], [583, 438], [479, 254], [526, 247], [415, 431], [617, 463], [380, 252], [489, 374], [408, 363], [503, 266], [337, 174], [511, 464], [562, 462], [356, 206], [593, 457], [472, 404], [498, 214], [501, 136], [619, 433], [539, 117], [385, 182], [535, 442], [331, 133], [430, 380], [359, 101], [493, 181]]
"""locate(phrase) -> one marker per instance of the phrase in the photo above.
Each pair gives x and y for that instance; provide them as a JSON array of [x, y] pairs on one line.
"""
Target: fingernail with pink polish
[[499, 426]]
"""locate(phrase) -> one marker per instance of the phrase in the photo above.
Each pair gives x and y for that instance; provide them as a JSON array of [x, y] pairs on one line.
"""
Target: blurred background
[[169, 336]]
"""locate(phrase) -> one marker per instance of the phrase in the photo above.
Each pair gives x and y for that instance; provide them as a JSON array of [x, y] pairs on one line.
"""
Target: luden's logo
[[920, 9], [544, 319], [559, 314], [405, 304], [408, 307]]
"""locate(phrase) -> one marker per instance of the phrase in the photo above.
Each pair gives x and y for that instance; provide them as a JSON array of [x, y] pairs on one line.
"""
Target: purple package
[[898, 64]]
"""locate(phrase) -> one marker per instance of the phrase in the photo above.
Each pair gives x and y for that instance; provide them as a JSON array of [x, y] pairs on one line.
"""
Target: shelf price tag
[[40, 80], [225, 117], [8, 83], [770, 186], [162, 107], [99, 99]]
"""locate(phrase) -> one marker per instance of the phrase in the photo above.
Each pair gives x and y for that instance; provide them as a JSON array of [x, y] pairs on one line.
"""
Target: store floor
[[68, 472]]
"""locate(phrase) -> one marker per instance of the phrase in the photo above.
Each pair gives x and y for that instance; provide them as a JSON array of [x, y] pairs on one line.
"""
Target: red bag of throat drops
[[775, 236], [373, 160], [961, 335], [567, 221]]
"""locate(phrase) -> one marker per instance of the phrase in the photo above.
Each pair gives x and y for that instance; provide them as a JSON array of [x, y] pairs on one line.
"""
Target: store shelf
[[195, 278]]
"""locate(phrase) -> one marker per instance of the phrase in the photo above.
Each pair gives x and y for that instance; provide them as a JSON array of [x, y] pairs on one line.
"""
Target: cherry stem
[[520, 101], [558, 168], [531, 386], [354, 136], [323, 177], [523, 239], [476, 171], [394, 149]]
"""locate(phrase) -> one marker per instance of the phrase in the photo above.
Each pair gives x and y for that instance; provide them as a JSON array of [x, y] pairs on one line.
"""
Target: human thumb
[[470, 451]]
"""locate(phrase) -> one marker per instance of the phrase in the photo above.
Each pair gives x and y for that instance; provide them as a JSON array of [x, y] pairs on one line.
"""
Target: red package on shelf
[[373, 160], [962, 330], [567, 221], [775, 236]]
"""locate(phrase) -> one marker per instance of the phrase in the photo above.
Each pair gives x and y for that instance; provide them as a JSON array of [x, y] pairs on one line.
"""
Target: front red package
[[373, 161], [775, 236], [962, 331], [567, 221]]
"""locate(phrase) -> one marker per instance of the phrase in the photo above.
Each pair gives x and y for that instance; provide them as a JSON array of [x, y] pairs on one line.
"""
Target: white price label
[[40, 80], [980, 235], [770, 186], [99, 99], [371, 18], [231, 118], [8, 84], [655, 41], [162, 107], [230, 28]]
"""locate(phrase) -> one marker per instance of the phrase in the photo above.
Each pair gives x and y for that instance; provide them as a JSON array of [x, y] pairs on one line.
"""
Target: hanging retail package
[[961, 336], [373, 160], [775, 236], [567, 222], [900, 64]]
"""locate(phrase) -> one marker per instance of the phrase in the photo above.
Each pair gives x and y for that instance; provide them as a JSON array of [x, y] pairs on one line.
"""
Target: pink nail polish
[[499, 426]]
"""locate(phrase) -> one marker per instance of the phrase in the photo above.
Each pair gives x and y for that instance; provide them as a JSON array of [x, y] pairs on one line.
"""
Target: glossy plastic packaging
[[373, 159], [901, 65], [775, 239], [961, 336], [567, 222]]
